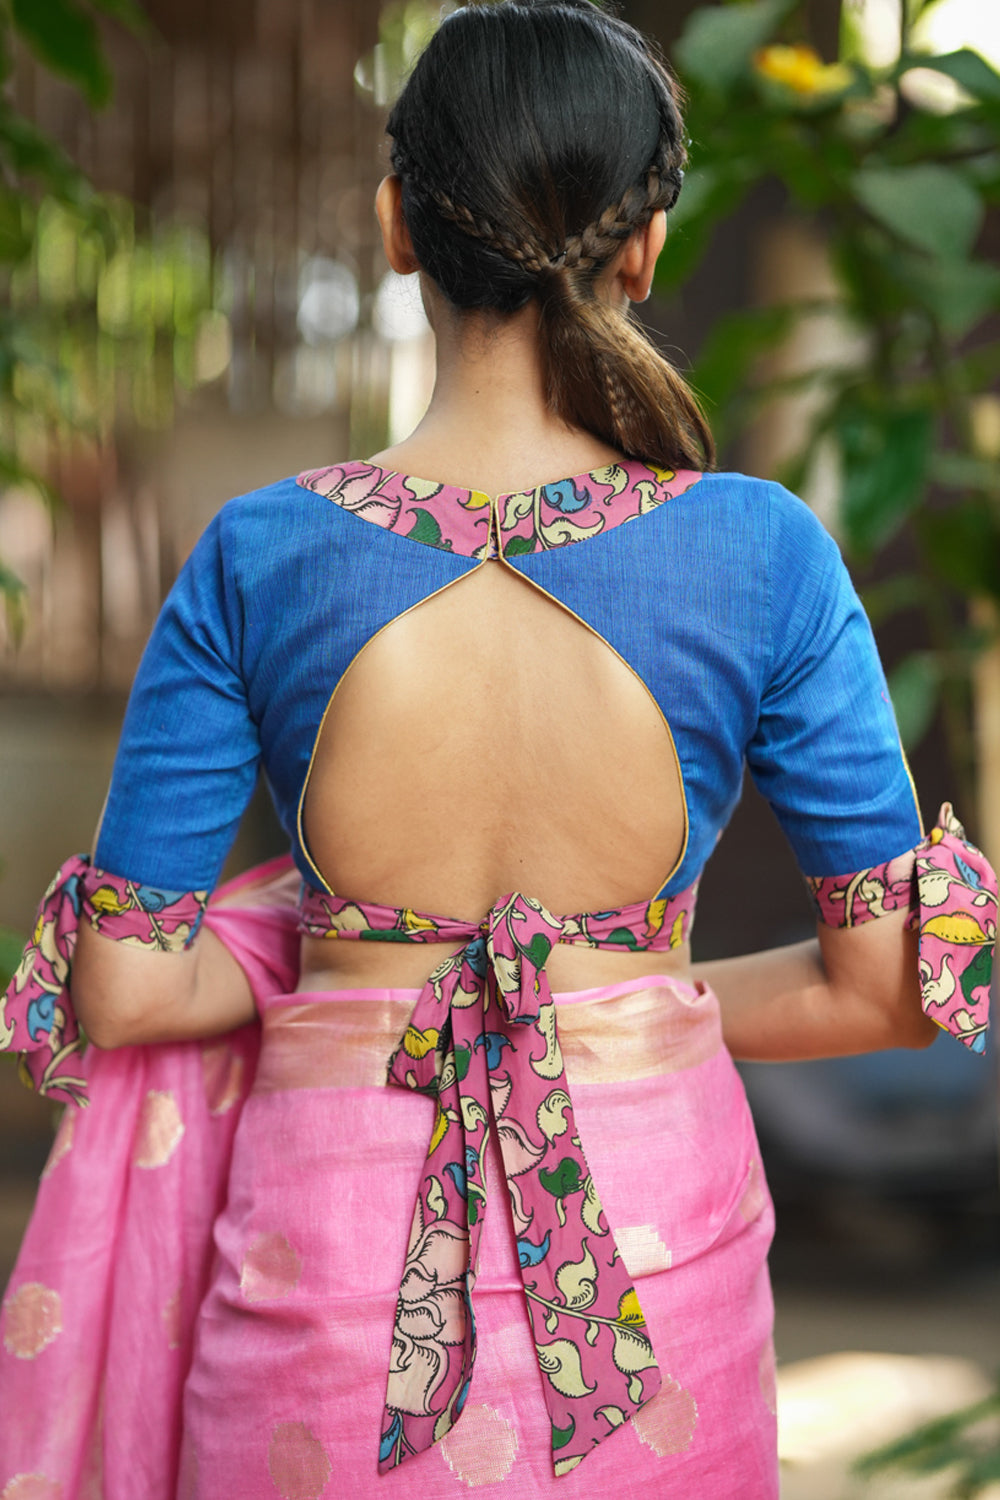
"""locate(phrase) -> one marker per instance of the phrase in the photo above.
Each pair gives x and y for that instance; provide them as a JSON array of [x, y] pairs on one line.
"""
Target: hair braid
[[500, 172]]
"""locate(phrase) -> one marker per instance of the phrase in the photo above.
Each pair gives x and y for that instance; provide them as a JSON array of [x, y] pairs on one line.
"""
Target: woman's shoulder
[[783, 524], [271, 507], [261, 529], [755, 494]]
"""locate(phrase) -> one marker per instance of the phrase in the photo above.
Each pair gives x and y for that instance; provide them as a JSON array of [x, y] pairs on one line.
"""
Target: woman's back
[[511, 749]]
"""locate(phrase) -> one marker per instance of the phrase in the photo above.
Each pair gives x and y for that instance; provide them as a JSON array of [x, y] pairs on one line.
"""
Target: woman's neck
[[488, 426]]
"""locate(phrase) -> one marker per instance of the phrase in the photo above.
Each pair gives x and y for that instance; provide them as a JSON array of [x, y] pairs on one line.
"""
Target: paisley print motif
[[472, 524], [482, 1042], [951, 892], [36, 1016]]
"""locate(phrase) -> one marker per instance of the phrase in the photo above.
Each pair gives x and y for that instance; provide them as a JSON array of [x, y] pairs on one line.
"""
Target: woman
[[455, 702]]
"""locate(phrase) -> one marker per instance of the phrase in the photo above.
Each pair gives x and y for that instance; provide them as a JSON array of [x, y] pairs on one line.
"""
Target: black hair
[[533, 138]]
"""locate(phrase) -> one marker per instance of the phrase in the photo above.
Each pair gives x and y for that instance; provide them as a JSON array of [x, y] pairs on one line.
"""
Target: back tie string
[[482, 1041]]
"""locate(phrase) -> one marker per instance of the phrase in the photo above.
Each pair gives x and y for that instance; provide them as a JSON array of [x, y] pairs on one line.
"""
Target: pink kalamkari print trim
[[951, 892], [482, 1041], [461, 521], [36, 1013]]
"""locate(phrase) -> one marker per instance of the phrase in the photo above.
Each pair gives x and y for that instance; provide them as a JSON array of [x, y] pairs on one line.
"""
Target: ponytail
[[602, 374], [515, 189]]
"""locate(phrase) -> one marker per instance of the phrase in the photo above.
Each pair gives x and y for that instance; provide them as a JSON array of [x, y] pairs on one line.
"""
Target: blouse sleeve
[[189, 752], [827, 756], [826, 753], [186, 766]]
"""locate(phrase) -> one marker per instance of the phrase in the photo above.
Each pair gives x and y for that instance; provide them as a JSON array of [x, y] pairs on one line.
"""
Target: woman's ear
[[395, 235], [637, 261]]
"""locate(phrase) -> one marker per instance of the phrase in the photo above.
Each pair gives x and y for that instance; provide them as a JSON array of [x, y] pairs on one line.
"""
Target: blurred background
[[195, 305]]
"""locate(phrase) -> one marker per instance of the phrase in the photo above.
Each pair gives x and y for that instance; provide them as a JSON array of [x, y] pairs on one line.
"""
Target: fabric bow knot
[[949, 889], [482, 1040]]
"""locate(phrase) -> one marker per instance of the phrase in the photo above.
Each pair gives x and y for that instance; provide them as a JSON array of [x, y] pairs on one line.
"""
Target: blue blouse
[[729, 600]]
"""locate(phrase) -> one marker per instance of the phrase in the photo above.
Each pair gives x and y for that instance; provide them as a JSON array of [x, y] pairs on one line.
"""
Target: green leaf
[[15, 240], [930, 206], [944, 1438], [14, 471], [959, 293], [885, 458], [913, 687], [562, 1435], [32, 154], [66, 40], [11, 948], [733, 347], [962, 471], [967, 68], [517, 546], [425, 528], [891, 596], [538, 950], [563, 1180], [708, 197], [13, 592], [623, 936], [719, 40], [963, 545], [698, 195]]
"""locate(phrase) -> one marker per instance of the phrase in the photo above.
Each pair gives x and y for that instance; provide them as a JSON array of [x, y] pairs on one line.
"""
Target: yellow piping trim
[[913, 785], [629, 668], [299, 827]]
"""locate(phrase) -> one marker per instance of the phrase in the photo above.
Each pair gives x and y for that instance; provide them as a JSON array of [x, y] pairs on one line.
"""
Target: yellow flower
[[417, 1044], [677, 931], [629, 1310], [412, 922], [802, 70], [442, 1120], [954, 927], [107, 902], [655, 913]]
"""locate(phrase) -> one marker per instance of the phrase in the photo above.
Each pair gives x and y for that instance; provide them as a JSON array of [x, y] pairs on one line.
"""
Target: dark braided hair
[[533, 138]]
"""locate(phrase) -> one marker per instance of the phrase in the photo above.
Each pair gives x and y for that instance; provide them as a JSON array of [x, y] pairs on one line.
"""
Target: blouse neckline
[[471, 523]]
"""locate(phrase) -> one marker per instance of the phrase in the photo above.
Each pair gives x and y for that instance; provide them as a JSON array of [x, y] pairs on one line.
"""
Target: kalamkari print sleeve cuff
[[950, 890], [36, 1013]]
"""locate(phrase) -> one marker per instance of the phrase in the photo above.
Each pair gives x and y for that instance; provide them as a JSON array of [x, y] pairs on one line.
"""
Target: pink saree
[[204, 1302]]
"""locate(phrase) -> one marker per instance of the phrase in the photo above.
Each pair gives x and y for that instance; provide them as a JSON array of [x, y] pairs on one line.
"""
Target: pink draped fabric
[[138, 1360]]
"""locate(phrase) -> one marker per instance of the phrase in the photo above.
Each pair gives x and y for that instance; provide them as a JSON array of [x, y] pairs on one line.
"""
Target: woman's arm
[[856, 989], [124, 996]]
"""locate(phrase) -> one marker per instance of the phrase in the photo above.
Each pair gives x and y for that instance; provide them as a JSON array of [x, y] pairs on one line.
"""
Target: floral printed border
[[36, 1013], [466, 521], [950, 890]]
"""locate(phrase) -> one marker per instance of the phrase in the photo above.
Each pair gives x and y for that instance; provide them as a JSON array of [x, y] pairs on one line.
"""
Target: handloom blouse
[[724, 594], [731, 603]]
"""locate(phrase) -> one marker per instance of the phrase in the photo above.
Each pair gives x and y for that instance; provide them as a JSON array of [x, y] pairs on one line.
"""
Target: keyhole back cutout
[[485, 741]]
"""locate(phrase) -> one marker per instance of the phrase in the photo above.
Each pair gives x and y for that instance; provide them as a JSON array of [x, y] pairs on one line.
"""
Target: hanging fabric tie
[[482, 1041]]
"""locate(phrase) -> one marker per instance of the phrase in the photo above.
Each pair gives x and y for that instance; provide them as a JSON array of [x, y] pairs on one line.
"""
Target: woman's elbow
[[921, 1032], [905, 1024], [120, 993], [105, 1026]]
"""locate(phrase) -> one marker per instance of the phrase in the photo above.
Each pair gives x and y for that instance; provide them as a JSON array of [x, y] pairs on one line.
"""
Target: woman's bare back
[[483, 742]]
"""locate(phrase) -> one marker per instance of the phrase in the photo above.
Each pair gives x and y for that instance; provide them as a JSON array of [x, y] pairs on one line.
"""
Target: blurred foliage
[[11, 948], [964, 1444], [898, 187], [96, 312], [404, 29]]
